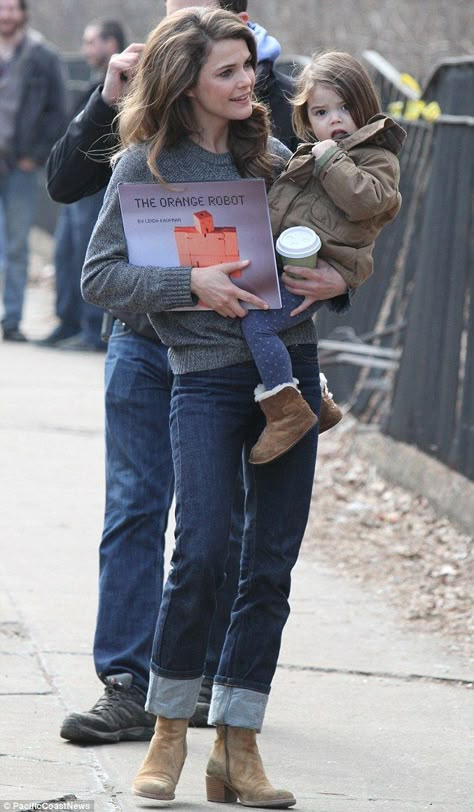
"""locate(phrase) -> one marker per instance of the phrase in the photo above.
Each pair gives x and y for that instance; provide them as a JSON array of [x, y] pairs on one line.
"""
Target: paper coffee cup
[[299, 246]]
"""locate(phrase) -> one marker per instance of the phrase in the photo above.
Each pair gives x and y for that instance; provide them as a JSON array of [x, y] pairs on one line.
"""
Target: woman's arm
[[110, 281]]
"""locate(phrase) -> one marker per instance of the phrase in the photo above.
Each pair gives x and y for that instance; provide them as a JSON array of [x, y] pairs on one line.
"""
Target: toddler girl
[[345, 187]]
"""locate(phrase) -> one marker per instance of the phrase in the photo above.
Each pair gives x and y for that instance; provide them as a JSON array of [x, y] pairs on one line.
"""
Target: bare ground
[[392, 541]]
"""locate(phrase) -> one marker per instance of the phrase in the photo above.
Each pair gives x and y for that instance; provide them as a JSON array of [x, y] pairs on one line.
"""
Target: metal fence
[[419, 305]]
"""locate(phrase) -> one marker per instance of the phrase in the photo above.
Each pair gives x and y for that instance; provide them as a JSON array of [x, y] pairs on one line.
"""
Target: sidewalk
[[363, 716]]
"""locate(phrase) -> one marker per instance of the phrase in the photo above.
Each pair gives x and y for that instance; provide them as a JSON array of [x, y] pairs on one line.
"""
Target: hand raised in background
[[121, 68]]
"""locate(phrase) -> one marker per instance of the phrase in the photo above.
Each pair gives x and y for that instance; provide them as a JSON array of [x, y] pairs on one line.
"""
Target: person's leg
[[207, 435], [139, 487], [68, 297], [85, 216], [228, 591], [224, 600], [277, 506], [288, 415], [261, 330], [19, 193]]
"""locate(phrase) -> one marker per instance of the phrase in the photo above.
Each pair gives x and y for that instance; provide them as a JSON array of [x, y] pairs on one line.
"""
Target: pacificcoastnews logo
[[69, 803]]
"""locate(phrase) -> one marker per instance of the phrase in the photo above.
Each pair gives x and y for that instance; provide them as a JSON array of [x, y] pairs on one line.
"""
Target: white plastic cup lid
[[298, 242]]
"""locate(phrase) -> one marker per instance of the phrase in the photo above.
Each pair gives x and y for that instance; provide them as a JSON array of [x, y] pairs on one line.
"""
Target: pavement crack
[[46, 428], [27, 693], [453, 681]]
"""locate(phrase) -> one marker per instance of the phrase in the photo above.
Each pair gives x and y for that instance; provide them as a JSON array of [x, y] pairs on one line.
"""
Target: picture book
[[202, 224]]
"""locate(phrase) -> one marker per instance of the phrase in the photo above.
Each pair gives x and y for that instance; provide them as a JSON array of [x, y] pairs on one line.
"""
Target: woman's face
[[225, 85], [328, 114]]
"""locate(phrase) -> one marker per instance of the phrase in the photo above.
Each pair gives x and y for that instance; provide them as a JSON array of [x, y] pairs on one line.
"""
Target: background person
[[196, 78], [80, 323], [32, 117]]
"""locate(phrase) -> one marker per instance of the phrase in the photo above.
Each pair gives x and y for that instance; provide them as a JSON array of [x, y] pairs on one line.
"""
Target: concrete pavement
[[363, 716]]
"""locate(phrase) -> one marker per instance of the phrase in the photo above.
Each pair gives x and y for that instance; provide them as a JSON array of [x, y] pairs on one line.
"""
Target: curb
[[450, 493]]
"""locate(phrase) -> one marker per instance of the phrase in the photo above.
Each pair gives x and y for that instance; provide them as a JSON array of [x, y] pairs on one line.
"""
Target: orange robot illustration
[[205, 244]]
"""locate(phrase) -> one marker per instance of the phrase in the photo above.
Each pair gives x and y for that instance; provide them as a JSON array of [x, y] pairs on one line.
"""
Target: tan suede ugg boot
[[289, 418], [235, 770], [330, 413], [160, 771]]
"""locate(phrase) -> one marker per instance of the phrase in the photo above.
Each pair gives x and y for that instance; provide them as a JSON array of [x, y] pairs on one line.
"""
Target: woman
[[190, 117]]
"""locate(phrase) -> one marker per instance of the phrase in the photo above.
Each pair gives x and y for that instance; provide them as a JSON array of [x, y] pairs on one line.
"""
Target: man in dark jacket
[[32, 116], [80, 323]]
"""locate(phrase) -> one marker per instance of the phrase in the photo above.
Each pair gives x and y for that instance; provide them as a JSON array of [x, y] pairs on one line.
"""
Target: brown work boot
[[330, 413], [235, 770], [289, 418], [160, 771]]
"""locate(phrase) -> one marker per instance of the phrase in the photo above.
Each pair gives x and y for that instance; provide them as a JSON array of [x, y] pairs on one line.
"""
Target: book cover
[[202, 224]]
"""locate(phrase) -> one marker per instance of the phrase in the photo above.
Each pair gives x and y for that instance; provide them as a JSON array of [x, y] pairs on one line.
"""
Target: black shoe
[[119, 715], [59, 333], [13, 334], [79, 343], [201, 713]]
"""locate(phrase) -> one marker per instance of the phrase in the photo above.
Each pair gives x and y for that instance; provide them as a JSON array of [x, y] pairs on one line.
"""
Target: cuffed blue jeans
[[18, 194], [139, 490], [213, 419]]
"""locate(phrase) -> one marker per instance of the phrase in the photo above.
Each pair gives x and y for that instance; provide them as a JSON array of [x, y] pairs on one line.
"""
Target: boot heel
[[219, 792]]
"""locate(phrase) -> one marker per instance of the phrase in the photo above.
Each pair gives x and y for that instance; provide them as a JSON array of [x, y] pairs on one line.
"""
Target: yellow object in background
[[414, 109], [410, 82]]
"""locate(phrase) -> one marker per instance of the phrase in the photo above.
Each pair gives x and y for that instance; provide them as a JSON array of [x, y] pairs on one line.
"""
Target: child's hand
[[321, 147]]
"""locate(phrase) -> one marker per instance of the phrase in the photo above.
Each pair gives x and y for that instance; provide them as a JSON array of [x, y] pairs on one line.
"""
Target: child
[[345, 187]]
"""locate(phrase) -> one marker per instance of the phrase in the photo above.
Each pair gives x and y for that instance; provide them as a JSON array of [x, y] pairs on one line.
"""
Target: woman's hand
[[315, 284], [214, 288]]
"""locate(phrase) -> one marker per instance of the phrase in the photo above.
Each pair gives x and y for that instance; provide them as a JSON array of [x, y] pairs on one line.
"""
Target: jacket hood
[[267, 46]]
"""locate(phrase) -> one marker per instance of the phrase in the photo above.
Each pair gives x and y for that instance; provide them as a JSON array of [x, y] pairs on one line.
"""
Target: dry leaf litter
[[392, 541]]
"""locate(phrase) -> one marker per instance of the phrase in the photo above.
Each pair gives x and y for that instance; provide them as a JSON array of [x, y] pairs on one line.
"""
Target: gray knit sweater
[[197, 340]]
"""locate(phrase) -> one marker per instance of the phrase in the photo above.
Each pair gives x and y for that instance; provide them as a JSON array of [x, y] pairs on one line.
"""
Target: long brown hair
[[158, 111], [347, 77]]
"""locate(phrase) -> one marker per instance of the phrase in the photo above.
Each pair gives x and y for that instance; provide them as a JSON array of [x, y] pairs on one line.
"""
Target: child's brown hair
[[347, 76]]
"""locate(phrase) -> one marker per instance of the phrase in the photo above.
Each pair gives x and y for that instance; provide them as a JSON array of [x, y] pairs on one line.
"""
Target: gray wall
[[412, 34]]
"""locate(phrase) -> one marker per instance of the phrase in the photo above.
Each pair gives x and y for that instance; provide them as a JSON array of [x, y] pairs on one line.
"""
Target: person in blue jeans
[[32, 116], [136, 373], [196, 77], [73, 231], [80, 323]]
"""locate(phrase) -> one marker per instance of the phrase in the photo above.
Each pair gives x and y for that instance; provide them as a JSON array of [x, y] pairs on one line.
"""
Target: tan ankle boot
[[160, 771], [330, 413], [235, 770], [289, 418]]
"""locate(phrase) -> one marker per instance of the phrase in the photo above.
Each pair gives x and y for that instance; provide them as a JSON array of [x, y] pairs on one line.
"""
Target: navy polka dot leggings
[[261, 330]]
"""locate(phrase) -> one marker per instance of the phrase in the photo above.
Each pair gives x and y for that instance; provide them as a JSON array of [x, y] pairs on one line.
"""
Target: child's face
[[328, 114]]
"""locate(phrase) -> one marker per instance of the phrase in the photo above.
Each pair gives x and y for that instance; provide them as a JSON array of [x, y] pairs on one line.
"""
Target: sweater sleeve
[[109, 280], [362, 190]]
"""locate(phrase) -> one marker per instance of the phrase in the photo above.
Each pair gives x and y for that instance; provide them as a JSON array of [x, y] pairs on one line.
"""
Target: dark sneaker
[[79, 343], [119, 715], [199, 717], [60, 333], [13, 334]]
